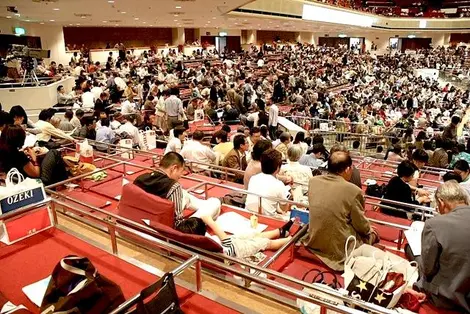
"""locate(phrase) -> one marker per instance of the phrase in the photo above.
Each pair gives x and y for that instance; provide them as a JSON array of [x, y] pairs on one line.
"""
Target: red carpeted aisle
[[34, 258]]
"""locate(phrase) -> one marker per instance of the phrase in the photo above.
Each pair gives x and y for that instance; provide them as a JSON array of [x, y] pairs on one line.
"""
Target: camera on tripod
[[29, 60], [26, 52]]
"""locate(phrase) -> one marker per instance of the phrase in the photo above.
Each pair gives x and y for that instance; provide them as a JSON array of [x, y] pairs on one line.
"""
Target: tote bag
[[19, 192]]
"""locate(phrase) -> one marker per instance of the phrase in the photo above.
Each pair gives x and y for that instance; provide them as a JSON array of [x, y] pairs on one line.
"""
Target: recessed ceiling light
[[136, 18], [175, 15], [17, 14], [8, 17], [214, 18], [123, 12], [42, 23], [151, 25], [116, 24], [105, 21], [78, 24], [51, 20], [27, 20], [144, 22], [83, 17], [175, 20], [110, 1], [70, 24], [177, 7], [56, 9]]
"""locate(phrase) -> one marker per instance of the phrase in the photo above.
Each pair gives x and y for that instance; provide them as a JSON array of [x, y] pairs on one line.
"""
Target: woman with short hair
[[301, 174]]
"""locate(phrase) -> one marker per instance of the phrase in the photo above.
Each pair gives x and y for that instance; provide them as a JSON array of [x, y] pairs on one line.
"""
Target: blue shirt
[[311, 161], [105, 134]]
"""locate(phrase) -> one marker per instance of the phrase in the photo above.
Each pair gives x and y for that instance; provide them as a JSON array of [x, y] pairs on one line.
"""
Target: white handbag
[[23, 192], [368, 266]]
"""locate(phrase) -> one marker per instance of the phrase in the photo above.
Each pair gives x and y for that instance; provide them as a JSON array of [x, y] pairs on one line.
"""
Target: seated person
[[195, 150], [66, 125], [236, 158], [395, 154], [462, 155], [462, 168], [88, 129], [223, 146], [444, 264], [300, 174], [439, 158], [315, 158], [254, 166], [356, 174], [163, 183], [267, 185], [48, 131], [176, 143], [399, 190], [379, 154], [238, 246], [104, 134], [128, 127], [284, 145], [52, 168], [336, 212]]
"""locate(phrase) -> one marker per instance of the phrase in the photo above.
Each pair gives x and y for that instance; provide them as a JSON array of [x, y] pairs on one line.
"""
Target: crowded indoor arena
[[242, 156]]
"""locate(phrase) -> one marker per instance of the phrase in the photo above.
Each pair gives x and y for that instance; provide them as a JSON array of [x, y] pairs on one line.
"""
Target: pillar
[[178, 37]]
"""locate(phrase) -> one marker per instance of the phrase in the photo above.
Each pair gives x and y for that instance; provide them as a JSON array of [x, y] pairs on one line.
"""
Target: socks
[[284, 230]]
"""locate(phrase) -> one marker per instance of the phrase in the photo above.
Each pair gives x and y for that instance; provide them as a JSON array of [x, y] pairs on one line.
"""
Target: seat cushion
[[199, 241], [136, 204]]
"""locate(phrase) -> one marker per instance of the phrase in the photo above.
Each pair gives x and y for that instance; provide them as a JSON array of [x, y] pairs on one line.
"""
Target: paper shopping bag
[[147, 140], [367, 273], [126, 144], [85, 152], [20, 192]]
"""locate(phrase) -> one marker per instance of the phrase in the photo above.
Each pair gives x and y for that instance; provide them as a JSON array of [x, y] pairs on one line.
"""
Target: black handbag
[[159, 298], [320, 278]]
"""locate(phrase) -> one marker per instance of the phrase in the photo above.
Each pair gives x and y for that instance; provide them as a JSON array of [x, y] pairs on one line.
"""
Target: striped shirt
[[228, 247], [175, 195]]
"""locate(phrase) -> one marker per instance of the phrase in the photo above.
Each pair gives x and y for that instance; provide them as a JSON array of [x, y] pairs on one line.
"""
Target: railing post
[[198, 276]]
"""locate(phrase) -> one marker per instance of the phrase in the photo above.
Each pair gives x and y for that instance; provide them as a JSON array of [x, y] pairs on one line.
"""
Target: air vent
[[187, 20], [176, 13], [114, 21], [45, 1], [185, 0]]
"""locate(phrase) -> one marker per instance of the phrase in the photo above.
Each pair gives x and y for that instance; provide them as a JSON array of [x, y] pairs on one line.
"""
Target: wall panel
[[129, 36]]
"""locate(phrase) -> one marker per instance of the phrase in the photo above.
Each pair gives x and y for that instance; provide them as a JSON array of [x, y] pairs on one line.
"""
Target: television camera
[[29, 60]]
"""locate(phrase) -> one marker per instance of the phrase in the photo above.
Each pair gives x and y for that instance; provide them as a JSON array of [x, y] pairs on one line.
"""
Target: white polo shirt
[[268, 186]]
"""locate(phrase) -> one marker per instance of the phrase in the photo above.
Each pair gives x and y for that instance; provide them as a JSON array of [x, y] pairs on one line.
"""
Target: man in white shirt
[[128, 107], [273, 120], [271, 161], [196, 151], [88, 100], [48, 131], [96, 90], [117, 122], [130, 129], [176, 143]]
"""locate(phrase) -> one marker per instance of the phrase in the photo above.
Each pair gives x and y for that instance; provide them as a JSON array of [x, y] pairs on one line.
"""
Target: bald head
[[339, 162]]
